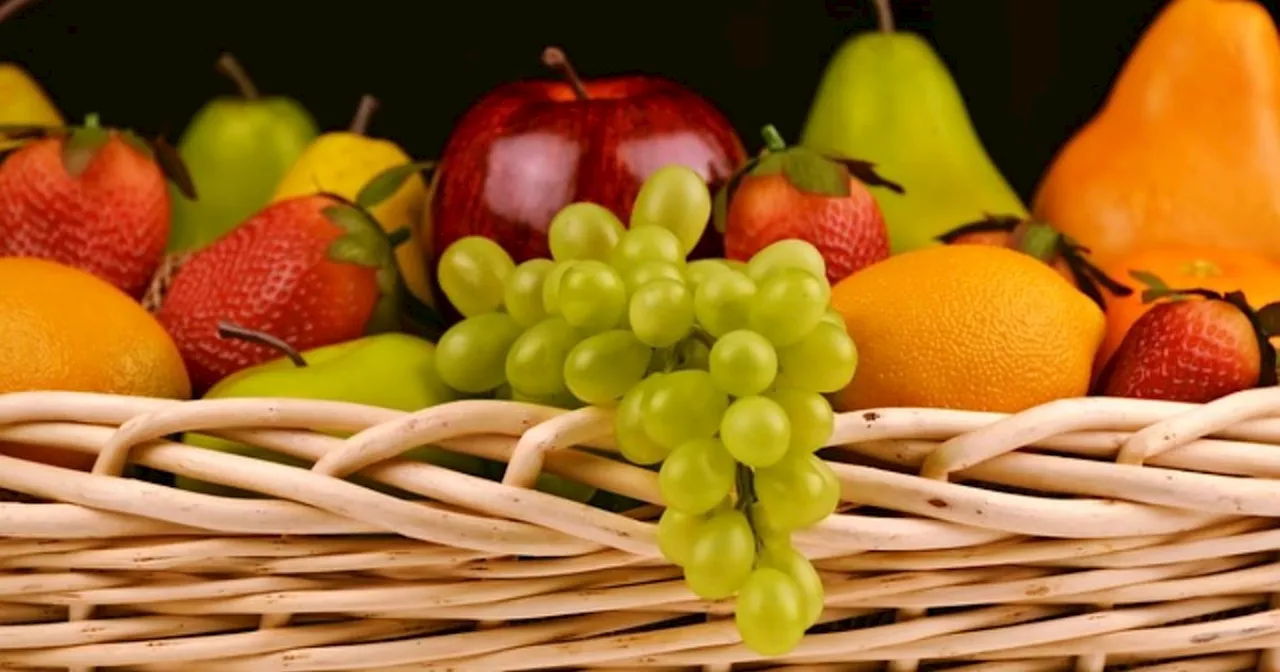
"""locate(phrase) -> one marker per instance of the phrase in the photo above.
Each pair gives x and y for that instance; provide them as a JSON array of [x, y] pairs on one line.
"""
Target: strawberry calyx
[[808, 170], [1042, 241], [1265, 320], [364, 243], [81, 144]]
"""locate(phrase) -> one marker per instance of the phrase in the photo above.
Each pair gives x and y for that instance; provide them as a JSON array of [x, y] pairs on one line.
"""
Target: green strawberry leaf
[[988, 223], [388, 182], [362, 243], [172, 166], [1268, 319], [81, 146], [720, 206], [813, 173], [1039, 240], [1155, 287], [866, 173]]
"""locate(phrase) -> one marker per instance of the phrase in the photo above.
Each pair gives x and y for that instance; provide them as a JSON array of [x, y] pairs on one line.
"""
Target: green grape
[[736, 265], [723, 303], [743, 363], [696, 476], [722, 556], [693, 353], [522, 295], [535, 363], [641, 274], [677, 533], [583, 231], [591, 296], [756, 431], [786, 559], [769, 612], [787, 253], [628, 425], [797, 492], [473, 273], [551, 287], [675, 198], [698, 271], [812, 420], [601, 368], [833, 317], [661, 313], [471, 356], [789, 305], [647, 243], [682, 406], [823, 361]]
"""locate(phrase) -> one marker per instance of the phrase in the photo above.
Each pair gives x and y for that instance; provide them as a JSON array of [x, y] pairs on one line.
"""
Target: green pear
[[389, 370], [237, 149], [886, 97]]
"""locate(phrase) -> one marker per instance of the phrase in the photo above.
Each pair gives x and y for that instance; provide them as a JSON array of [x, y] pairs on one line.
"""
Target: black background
[[1031, 71]]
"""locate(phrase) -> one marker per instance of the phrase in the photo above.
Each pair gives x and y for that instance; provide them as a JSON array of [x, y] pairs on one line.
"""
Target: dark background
[[1031, 71]]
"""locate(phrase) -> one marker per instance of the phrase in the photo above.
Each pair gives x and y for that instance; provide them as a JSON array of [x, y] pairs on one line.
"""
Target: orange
[[64, 329], [1181, 267], [970, 327]]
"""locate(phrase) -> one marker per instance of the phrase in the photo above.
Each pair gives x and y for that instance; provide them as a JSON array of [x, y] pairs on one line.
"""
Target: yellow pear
[[22, 99], [342, 163]]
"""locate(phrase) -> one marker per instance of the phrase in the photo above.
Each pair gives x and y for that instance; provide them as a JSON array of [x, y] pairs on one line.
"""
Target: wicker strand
[[1080, 535]]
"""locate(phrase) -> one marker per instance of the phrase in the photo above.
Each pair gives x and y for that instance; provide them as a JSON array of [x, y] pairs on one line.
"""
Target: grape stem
[[704, 336], [746, 486]]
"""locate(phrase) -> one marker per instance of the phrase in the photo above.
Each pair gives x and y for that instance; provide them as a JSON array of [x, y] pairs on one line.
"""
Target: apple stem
[[229, 330], [773, 139], [92, 120], [8, 9], [364, 112], [229, 66], [556, 59], [884, 10]]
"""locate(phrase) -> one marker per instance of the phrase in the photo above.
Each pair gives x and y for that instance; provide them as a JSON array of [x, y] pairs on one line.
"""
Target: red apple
[[527, 149]]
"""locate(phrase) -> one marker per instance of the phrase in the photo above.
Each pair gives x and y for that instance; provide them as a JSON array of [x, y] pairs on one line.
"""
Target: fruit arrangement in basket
[[719, 307]]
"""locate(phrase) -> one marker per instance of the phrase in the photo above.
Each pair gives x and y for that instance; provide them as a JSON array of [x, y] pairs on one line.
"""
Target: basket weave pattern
[[1080, 535]]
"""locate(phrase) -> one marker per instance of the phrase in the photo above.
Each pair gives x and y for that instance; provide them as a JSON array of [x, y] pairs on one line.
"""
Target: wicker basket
[[1084, 534]]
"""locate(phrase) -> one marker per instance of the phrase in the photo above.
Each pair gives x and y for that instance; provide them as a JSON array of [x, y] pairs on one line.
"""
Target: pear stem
[[884, 10], [229, 330], [773, 139], [8, 9], [229, 66], [364, 112], [556, 59]]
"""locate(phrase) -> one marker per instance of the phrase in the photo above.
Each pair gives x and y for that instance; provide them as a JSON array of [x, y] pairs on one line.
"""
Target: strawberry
[[1201, 346], [309, 271], [89, 197], [1040, 240], [798, 193]]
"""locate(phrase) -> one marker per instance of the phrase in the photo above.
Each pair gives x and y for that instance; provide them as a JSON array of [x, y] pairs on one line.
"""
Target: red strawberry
[[1197, 348], [798, 193], [88, 197], [1042, 241], [310, 271]]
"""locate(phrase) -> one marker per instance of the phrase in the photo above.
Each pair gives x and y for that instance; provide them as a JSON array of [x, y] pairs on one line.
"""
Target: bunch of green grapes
[[717, 370]]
